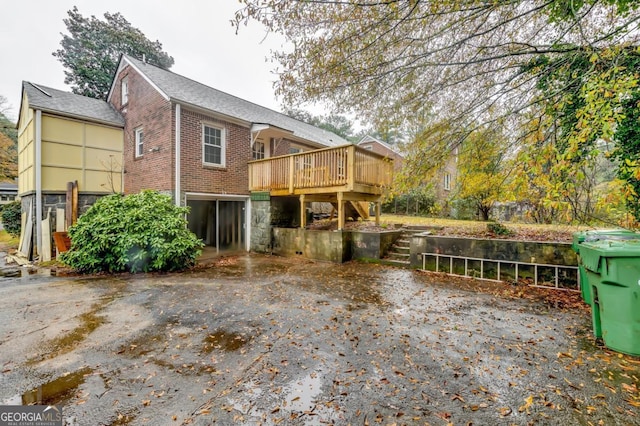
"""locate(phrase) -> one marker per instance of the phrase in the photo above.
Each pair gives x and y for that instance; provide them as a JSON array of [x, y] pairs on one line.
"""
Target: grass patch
[[474, 228], [7, 241]]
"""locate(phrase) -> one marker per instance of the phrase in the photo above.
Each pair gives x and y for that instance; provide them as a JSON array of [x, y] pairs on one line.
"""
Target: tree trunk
[[484, 212]]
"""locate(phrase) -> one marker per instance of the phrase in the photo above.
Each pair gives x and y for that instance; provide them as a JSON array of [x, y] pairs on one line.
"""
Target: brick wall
[[146, 108], [233, 178]]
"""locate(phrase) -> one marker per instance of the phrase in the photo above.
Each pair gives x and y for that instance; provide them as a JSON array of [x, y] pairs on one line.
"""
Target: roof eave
[[77, 116]]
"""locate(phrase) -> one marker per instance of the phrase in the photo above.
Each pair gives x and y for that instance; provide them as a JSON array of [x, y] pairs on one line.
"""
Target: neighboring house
[[8, 192], [195, 143], [445, 181], [62, 138], [376, 145]]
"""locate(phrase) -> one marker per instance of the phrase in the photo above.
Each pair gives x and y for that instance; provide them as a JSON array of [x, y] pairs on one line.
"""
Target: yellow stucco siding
[[104, 181], [26, 171], [86, 152], [71, 150], [61, 155], [56, 129], [104, 137]]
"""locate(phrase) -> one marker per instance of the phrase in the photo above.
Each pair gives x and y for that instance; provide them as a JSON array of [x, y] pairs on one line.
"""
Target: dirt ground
[[257, 339]]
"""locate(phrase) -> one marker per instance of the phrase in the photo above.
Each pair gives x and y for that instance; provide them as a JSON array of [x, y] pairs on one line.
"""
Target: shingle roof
[[185, 90], [370, 139], [70, 104]]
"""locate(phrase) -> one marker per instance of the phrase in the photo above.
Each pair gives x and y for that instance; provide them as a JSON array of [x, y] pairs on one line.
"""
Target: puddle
[[223, 340], [55, 392], [303, 392], [89, 321]]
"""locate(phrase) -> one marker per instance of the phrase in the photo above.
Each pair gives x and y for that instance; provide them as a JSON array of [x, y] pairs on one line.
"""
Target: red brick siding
[[146, 108], [233, 178]]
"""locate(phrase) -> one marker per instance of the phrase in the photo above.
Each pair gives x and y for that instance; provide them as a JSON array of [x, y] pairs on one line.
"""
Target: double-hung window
[[124, 86], [447, 181], [139, 138], [213, 146]]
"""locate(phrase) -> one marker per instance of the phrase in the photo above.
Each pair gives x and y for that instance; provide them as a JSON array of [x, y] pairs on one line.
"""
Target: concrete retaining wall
[[333, 246], [553, 253]]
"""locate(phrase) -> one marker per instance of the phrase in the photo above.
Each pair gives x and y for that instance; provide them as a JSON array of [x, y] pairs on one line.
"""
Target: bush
[[140, 232], [11, 214], [498, 229]]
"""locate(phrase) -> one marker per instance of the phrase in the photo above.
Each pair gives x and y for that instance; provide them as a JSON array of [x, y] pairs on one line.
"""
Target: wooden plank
[[25, 248], [45, 256], [74, 200], [60, 221], [68, 206]]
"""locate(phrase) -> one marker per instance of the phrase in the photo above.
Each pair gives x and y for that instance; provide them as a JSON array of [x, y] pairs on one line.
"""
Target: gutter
[[177, 156], [38, 178]]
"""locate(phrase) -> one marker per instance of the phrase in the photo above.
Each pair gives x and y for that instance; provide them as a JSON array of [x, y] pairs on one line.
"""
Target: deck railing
[[348, 166]]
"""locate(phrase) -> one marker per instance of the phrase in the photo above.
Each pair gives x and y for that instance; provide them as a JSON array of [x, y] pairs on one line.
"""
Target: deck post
[[378, 213], [303, 216], [351, 167], [291, 173], [340, 211]]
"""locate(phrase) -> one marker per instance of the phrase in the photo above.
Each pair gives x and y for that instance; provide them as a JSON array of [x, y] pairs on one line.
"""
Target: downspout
[[38, 164], [177, 148]]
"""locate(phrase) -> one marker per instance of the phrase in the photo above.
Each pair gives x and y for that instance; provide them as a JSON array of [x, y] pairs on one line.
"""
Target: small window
[[124, 86], [257, 152], [369, 147], [213, 146], [139, 134], [447, 182], [294, 150]]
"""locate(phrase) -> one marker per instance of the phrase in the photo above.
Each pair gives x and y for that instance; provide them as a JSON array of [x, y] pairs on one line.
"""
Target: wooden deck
[[342, 174]]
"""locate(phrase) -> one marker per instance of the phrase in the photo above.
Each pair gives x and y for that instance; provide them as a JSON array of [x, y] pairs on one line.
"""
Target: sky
[[198, 34]]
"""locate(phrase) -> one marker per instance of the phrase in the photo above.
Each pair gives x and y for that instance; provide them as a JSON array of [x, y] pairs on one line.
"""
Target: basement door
[[219, 223]]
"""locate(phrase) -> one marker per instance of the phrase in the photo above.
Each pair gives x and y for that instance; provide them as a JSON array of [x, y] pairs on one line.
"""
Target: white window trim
[[447, 181], [124, 91], [223, 143], [139, 143]]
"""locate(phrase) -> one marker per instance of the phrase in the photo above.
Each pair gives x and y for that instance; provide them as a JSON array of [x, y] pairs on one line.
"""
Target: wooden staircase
[[354, 209]]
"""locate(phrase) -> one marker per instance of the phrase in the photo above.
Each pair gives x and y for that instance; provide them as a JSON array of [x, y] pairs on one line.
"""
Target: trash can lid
[[591, 252], [600, 234]]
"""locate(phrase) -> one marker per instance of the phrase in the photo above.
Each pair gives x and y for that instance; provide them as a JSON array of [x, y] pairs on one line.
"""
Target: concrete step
[[400, 249], [399, 263]]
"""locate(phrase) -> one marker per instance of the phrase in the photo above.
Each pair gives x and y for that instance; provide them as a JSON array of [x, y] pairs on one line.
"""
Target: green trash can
[[613, 274], [596, 235]]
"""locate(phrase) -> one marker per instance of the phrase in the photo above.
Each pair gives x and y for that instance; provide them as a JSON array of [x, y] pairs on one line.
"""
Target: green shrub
[[11, 214], [140, 232], [498, 229]]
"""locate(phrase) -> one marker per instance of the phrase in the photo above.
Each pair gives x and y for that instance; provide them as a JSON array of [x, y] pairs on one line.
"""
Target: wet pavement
[[267, 340]]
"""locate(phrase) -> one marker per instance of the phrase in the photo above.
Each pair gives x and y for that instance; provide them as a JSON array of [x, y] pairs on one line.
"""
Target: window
[[258, 150], [213, 146], [139, 135], [124, 87], [447, 181], [294, 150], [369, 147]]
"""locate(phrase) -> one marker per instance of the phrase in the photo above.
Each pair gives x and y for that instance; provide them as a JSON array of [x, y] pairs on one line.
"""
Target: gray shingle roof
[[185, 90], [70, 104]]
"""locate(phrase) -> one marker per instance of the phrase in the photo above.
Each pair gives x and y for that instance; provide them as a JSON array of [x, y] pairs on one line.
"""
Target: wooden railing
[[346, 168]]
